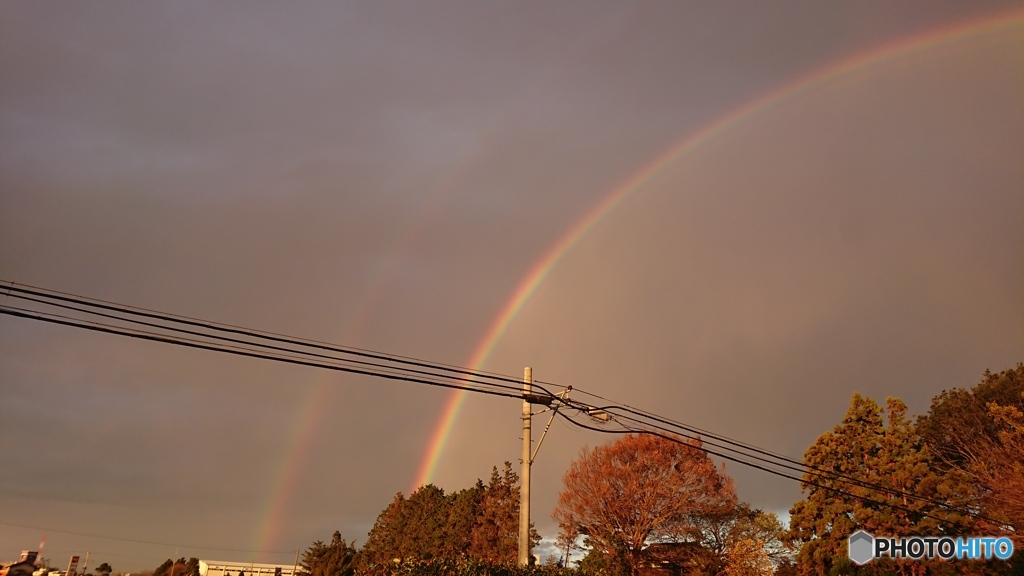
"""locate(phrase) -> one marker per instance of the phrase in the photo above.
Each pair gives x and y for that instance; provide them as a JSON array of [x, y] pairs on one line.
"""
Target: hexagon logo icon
[[860, 546]]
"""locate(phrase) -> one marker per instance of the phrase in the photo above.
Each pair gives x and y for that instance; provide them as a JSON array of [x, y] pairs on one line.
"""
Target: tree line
[[648, 504], [479, 524], [957, 470]]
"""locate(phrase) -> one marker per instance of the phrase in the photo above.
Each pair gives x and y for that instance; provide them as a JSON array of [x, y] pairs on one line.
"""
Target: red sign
[[73, 565]]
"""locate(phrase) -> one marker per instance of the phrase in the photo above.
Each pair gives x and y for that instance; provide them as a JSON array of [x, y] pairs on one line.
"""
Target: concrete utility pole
[[524, 476]]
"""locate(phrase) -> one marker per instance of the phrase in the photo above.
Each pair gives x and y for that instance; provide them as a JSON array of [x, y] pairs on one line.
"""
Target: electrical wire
[[421, 372], [784, 461], [134, 541], [677, 440], [12, 311], [11, 288], [808, 470], [240, 341]]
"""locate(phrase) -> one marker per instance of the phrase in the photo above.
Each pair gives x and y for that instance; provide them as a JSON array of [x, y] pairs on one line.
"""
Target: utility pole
[[529, 399], [524, 476]]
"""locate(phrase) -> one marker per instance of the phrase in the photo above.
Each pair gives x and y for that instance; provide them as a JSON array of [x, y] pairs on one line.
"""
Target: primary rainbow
[[901, 49]]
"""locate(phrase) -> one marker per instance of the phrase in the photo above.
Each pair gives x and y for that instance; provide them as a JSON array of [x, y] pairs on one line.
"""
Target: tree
[[463, 509], [495, 534], [748, 557], [980, 433], [179, 567], [565, 545], [875, 451], [334, 559], [640, 490], [164, 569], [410, 529], [742, 540], [959, 420], [104, 569], [480, 522], [600, 561], [998, 470]]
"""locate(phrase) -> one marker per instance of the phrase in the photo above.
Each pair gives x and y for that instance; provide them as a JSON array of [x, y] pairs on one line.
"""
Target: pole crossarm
[[563, 395]]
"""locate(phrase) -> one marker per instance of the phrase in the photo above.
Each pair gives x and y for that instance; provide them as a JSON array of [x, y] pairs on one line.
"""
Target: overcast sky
[[383, 175]]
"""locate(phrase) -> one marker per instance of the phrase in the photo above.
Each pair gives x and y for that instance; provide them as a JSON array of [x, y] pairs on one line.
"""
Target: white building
[[229, 568]]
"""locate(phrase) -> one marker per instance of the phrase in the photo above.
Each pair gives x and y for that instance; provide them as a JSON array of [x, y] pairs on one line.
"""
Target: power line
[[17, 290], [783, 462], [268, 345], [811, 478], [134, 541], [865, 499], [12, 311], [759, 454], [235, 340]]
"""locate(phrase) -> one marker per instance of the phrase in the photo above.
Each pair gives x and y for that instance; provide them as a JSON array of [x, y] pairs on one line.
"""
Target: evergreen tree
[[879, 449], [1000, 473], [334, 559], [959, 419], [164, 569], [979, 433], [481, 523], [464, 507], [410, 529], [495, 535], [383, 540], [425, 524], [179, 567]]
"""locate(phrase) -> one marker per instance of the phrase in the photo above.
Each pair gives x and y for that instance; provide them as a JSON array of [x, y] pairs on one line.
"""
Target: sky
[[733, 214]]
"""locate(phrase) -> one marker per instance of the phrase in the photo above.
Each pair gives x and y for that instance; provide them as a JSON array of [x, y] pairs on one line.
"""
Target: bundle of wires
[[601, 414]]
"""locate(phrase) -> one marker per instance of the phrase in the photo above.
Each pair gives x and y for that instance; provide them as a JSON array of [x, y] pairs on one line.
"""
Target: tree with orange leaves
[[641, 490]]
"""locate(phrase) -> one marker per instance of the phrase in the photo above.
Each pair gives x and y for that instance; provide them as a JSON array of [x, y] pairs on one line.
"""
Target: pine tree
[[481, 522], [495, 535], [334, 559], [410, 529], [979, 433], [463, 509], [879, 451]]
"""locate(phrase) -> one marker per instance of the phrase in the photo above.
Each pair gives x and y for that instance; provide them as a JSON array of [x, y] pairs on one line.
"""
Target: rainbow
[[306, 420], [869, 61]]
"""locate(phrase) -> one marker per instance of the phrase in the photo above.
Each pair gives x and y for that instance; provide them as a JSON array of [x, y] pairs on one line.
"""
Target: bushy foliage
[[462, 567], [481, 522], [179, 567], [979, 433], [962, 458], [959, 420], [334, 559], [639, 490], [878, 448], [741, 540]]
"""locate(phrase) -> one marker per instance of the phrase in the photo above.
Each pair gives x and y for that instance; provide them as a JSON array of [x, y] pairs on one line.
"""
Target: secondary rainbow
[[842, 69]]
